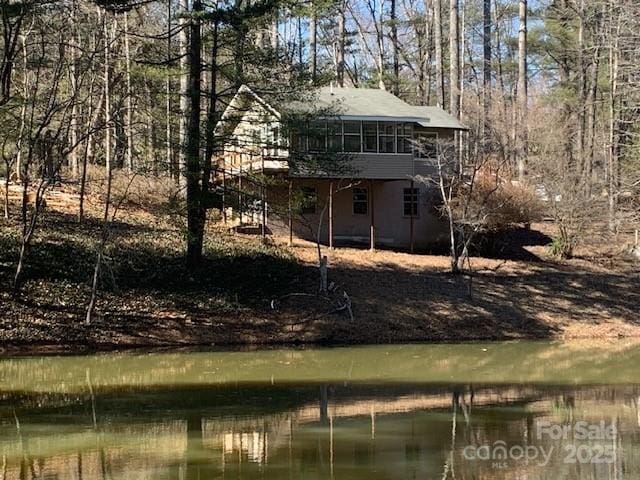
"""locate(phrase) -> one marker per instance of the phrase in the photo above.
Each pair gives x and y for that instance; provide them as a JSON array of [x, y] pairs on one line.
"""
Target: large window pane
[[352, 136], [404, 137], [387, 128], [370, 131], [387, 144], [387, 137], [352, 143], [298, 141], [334, 139], [317, 136], [351, 127]]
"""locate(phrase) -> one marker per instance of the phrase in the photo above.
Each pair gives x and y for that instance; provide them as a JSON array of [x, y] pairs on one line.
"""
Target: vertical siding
[[392, 226]]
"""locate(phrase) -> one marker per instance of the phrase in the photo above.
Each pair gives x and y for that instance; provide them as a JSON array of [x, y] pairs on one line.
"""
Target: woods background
[[549, 89]]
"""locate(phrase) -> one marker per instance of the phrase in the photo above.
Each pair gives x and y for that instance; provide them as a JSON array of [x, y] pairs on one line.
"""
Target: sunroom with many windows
[[353, 136]]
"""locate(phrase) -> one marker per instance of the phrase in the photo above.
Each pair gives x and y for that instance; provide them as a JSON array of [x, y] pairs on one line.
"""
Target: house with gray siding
[[344, 165]]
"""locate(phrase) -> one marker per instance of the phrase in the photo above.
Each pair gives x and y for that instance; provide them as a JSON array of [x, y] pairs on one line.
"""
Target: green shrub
[[561, 247]]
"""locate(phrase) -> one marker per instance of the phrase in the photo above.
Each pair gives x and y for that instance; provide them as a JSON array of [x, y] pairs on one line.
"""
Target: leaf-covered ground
[[247, 293], [146, 295]]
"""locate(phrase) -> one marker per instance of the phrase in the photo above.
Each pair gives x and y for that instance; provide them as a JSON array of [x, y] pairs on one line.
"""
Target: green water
[[518, 410]]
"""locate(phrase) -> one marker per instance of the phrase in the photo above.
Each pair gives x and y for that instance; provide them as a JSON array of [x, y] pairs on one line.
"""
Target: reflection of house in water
[[370, 434], [251, 444]]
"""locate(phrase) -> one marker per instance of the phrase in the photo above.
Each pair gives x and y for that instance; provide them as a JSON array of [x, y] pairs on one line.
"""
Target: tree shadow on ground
[[392, 304], [511, 245], [147, 296], [504, 245]]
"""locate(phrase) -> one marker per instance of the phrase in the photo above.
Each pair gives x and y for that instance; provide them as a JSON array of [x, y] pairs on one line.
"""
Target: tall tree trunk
[[150, 133], [12, 22], [462, 36], [523, 90], [129, 102], [500, 69], [613, 160], [183, 40], [23, 109], [195, 222], [582, 88], [169, 153], [426, 57], [454, 59], [592, 111], [73, 129], [107, 93], [437, 24], [394, 46], [211, 114], [313, 43], [340, 53], [486, 77]]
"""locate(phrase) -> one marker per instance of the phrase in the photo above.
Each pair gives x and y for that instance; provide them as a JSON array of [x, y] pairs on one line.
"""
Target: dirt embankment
[[246, 293]]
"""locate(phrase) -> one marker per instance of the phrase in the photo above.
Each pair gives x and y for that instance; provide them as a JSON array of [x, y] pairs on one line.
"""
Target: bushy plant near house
[[497, 204]]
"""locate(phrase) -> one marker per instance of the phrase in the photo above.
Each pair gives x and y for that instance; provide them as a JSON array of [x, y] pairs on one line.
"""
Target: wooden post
[[290, 213], [263, 202], [240, 199], [331, 215], [372, 233], [224, 190], [411, 221]]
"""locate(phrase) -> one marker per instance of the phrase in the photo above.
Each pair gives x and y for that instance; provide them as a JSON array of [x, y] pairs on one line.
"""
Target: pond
[[514, 410]]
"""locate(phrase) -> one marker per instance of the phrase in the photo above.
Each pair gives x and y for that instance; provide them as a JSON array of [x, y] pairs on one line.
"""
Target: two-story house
[[383, 142]]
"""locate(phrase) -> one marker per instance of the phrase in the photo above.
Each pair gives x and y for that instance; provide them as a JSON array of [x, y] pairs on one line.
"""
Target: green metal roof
[[375, 104]]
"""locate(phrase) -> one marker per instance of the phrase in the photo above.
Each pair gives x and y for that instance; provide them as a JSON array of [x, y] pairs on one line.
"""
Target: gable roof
[[347, 103], [376, 104], [238, 107]]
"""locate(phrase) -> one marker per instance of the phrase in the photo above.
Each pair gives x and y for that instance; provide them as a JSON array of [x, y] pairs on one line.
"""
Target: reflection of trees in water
[[449, 464], [321, 428]]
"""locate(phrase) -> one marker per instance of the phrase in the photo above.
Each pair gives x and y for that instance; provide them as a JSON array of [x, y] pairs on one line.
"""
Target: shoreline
[[17, 349], [27, 350]]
